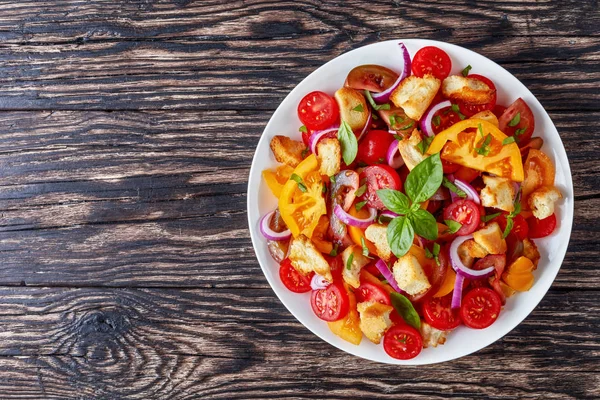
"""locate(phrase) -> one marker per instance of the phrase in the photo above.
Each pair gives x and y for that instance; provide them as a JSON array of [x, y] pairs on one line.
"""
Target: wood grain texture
[[126, 134]]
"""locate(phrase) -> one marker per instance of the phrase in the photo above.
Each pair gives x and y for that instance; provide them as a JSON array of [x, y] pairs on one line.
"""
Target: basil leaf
[[465, 71], [348, 141], [425, 179], [424, 224], [400, 235], [453, 188], [303, 129], [509, 225], [424, 144], [515, 120], [349, 261], [488, 218], [508, 140], [358, 206], [394, 200], [453, 226], [365, 249], [406, 310]]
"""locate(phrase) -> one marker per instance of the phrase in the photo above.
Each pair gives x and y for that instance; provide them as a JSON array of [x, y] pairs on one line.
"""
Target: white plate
[[329, 78]]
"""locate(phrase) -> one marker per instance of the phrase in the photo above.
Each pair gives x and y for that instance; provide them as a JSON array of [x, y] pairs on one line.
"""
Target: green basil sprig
[[348, 142], [406, 310]]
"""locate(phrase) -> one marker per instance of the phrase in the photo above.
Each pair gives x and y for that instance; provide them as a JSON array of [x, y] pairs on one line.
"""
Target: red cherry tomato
[[539, 228], [373, 78], [318, 110], [523, 130], [330, 304], [370, 292], [293, 280], [520, 228], [373, 148], [402, 342], [379, 177], [480, 308], [498, 110], [438, 313], [431, 60], [471, 109], [464, 212]]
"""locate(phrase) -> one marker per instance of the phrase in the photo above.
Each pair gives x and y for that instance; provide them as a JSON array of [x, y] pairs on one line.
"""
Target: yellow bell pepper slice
[[277, 178], [457, 144], [301, 204]]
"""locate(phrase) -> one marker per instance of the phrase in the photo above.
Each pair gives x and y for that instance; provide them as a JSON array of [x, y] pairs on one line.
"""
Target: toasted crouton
[[287, 151], [472, 249], [541, 201], [377, 234], [530, 251], [464, 256], [409, 151], [348, 100], [305, 258], [415, 94], [498, 193], [374, 319], [488, 116], [352, 275], [490, 238], [329, 155], [469, 90], [432, 336], [409, 275]]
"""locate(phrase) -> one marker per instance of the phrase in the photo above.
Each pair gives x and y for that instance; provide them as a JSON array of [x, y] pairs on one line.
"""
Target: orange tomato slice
[[277, 178], [539, 171], [357, 234], [348, 328], [319, 237], [518, 276]]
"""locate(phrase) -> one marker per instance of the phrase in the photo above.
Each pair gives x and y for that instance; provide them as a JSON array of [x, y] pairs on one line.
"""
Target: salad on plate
[[412, 203]]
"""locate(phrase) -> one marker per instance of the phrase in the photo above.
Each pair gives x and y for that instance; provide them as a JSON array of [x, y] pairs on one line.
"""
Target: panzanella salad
[[411, 204]]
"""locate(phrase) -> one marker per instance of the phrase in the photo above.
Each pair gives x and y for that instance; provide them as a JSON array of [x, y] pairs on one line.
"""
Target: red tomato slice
[[466, 174], [438, 313], [471, 109], [335, 265], [318, 110], [539, 228], [330, 304], [431, 60], [449, 167], [526, 123], [402, 342], [447, 118], [480, 308], [370, 292], [373, 148], [498, 110], [379, 177], [520, 228], [464, 212], [293, 280], [373, 78]]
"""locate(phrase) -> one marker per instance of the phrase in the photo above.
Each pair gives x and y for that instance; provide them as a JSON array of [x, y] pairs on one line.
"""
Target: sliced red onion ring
[[318, 282], [389, 214], [468, 189], [384, 96], [457, 294], [367, 125], [517, 186], [354, 221], [394, 159], [461, 268], [318, 135], [269, 233], [425, 123], [388, 275]]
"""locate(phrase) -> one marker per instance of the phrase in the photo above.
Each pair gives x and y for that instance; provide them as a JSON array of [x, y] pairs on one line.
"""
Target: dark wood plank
[[182, 343]]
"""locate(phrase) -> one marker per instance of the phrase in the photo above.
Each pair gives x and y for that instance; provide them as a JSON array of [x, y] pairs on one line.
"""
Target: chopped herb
[[298, 180], [358, 206], [365, 249], [465, 71], [375, 117], [349, 261], [510, 218], [484, 149], [434, 254], [324, 189], [508, 140], [385, 282], [453, 226], [361, 190], [488, 218], [436, 120], [358, 108], [376, 106], [456, 109], [436, 249], [520, 131], [407, 126], [398, 137], [303, 129], [334, 251], [395, 119], [428, 253], [515, 120], [304, 152], [392, 120], [332, 179], [424, 144], [453, 188]]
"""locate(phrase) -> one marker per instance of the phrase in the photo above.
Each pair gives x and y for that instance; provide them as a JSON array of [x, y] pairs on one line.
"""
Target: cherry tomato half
[[373, 78], [539, 228], [438, 313], [370, 292], [373, 148], [466, 213], [379, 177], [523, 130], [471, 109], [318, 110], [431, 60], [402, 342], [330, 304], [293, 280], [520, 228], [480, 308]]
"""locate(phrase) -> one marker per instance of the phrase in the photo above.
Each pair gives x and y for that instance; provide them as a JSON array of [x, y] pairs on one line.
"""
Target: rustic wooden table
[[127, 130]]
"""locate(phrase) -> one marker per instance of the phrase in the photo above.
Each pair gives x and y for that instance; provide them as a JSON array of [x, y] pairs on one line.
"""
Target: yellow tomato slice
[[518, 276], [539, 171], [458, 144], [319, 237], [277, 178], [301, 209], [348, 328]]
